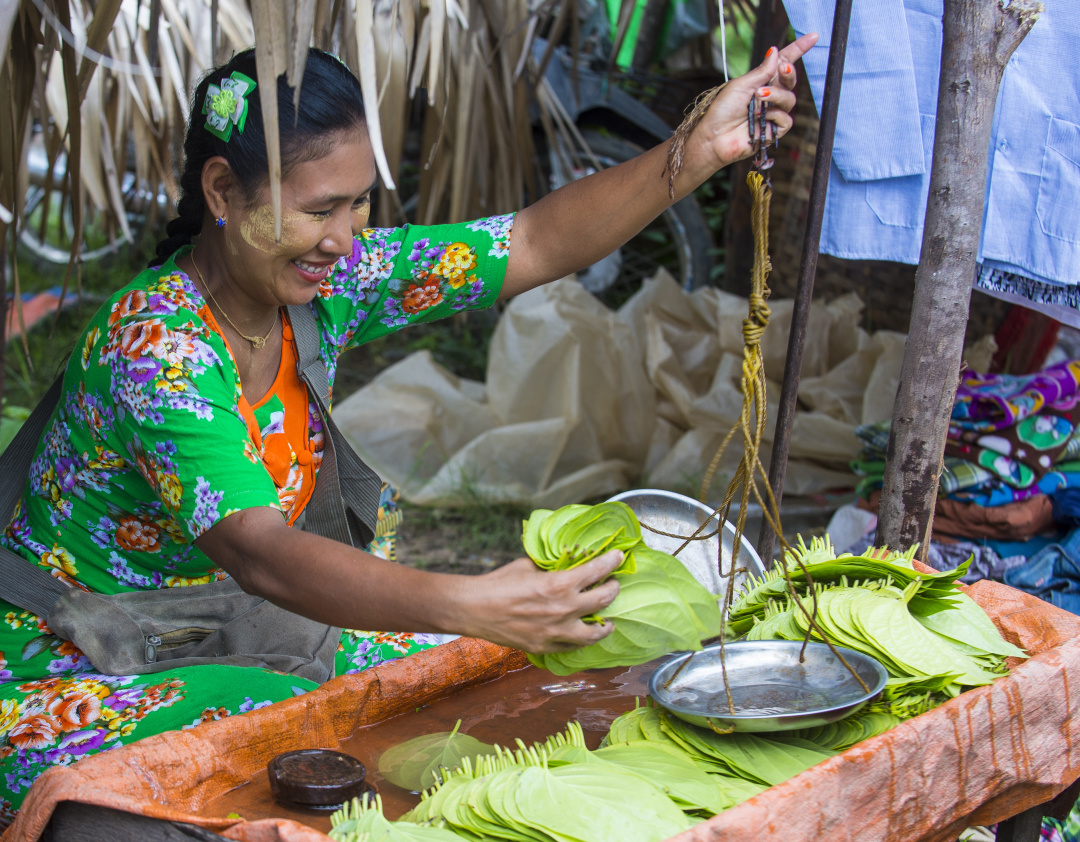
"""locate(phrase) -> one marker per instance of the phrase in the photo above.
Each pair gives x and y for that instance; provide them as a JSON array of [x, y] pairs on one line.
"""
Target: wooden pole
[[979, 37]]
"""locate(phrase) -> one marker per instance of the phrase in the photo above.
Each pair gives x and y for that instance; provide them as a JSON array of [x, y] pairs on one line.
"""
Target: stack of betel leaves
[[933, 639], [653, 777], [654, 774], [660, 608]]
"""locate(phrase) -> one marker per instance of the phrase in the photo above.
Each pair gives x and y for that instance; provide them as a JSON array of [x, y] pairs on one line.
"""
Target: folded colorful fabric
[[959, 475], [987, 402], [998, 495], [1021, 453], [1072, 449], [875, 439]]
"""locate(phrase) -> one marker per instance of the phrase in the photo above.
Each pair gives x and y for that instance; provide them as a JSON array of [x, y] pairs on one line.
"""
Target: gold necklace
[[257, 341]]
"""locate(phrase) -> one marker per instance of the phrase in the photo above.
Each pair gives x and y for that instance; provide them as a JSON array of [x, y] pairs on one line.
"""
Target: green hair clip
[[226, 105]]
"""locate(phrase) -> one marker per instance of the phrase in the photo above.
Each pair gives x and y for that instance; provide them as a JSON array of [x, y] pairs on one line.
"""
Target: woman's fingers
[[780, 121], [797, 49], [538, 611], [596, 599], [761, 75], [780, 98], [598, 569], [778, 66]]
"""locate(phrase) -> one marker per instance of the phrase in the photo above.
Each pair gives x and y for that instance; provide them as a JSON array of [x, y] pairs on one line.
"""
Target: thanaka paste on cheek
[[363, 214], [258, 231]]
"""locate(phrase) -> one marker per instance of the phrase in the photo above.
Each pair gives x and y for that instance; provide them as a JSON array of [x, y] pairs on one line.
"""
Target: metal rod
[[830, 101]]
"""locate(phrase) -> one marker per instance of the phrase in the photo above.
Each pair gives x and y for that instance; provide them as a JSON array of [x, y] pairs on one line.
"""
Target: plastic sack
[[581, 402]]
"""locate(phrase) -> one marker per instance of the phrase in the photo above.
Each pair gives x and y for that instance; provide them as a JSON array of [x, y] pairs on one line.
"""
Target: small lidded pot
[[317, 778]]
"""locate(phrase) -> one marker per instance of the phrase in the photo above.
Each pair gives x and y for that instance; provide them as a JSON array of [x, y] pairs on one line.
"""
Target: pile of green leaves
[[660, 608], [738, 759], [362, 820], [566, 537], [933, 639], [653, 776], [523, 795]]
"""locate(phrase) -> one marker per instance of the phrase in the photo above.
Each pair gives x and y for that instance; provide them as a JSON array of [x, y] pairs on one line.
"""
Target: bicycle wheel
[[48, 227], [51, 242], [678, 240]]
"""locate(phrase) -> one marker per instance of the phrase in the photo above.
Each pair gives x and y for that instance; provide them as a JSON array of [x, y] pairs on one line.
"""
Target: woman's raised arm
[[586, 220]]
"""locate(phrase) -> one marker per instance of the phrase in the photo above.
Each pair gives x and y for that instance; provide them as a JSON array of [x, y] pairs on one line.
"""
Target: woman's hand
[[588, 219], [723, 133], [539, 611]]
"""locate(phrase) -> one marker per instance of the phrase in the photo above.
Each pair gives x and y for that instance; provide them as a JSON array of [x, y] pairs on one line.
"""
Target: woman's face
[[324, 204]]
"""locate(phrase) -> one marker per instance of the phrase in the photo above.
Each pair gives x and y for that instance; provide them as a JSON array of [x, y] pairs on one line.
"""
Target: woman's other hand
[[539, 611], [723, 131], [518, 605]]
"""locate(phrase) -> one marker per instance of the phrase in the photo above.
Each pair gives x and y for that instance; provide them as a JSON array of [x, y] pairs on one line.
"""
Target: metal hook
[[760, 135]]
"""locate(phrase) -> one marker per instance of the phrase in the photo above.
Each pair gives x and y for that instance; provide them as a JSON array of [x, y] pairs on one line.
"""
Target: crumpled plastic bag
[[581, 401]]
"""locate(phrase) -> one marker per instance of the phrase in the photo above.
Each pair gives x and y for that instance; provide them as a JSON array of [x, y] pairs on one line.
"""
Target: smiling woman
[[185, 447]]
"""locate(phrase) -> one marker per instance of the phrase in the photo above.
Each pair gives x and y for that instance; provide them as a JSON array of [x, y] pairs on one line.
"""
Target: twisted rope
[[751, 423]]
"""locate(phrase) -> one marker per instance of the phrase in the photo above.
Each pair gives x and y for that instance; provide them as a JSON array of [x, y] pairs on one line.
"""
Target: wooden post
[[979, 37]]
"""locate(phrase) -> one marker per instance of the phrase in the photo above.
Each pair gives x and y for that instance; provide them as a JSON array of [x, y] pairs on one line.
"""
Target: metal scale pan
[[771, 688]]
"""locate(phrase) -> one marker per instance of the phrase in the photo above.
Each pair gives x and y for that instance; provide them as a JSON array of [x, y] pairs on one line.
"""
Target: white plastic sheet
[[581, 401]]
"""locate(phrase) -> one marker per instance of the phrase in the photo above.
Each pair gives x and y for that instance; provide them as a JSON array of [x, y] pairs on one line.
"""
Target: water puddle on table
[[530, 704]]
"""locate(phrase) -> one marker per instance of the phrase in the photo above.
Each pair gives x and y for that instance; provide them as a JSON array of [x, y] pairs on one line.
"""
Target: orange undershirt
[[292, 455]]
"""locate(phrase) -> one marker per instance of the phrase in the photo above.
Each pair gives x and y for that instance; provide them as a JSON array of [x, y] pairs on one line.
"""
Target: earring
[[220, 222]]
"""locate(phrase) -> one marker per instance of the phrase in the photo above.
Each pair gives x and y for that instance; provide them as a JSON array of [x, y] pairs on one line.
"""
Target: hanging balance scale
[[747, 685]]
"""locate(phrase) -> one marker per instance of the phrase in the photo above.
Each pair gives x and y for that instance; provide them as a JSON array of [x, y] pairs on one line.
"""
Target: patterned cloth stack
[[1010, 489]]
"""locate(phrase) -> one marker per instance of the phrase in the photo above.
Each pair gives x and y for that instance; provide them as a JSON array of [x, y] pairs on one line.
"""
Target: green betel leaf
[[966, 623], [530, 536], [362, 821], [687, 785], [749, 756], [574, 534], [660, 608], [933, 592], [415, 764]]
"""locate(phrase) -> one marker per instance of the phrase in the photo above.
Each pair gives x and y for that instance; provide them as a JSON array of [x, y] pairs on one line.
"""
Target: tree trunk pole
[[979, 37]]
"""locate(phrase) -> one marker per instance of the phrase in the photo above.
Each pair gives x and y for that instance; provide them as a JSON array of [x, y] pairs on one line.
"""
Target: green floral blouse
[[149, 448]]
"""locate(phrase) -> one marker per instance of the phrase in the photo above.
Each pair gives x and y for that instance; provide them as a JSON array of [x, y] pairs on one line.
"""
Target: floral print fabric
[[149, 448], [1016, 427], [993, 401]]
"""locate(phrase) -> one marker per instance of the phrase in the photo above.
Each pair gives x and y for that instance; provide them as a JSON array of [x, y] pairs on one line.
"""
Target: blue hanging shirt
[[883, 152]]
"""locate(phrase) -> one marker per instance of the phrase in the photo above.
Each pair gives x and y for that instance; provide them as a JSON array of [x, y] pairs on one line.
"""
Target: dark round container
[[317, 778]]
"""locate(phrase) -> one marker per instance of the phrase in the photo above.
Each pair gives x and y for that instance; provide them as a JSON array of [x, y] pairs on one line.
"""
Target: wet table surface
[[530, 704]]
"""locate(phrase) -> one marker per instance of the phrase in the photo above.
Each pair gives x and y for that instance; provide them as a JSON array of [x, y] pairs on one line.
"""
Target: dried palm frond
[[100, 89]]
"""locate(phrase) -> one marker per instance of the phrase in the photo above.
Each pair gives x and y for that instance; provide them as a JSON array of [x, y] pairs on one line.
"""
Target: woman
[[184, 446]]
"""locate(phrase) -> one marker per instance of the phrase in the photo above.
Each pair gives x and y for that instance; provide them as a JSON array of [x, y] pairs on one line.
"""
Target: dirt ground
[[468, 540]]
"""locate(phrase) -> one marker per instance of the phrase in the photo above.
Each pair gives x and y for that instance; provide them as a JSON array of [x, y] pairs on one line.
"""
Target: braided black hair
[[330, 101]]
